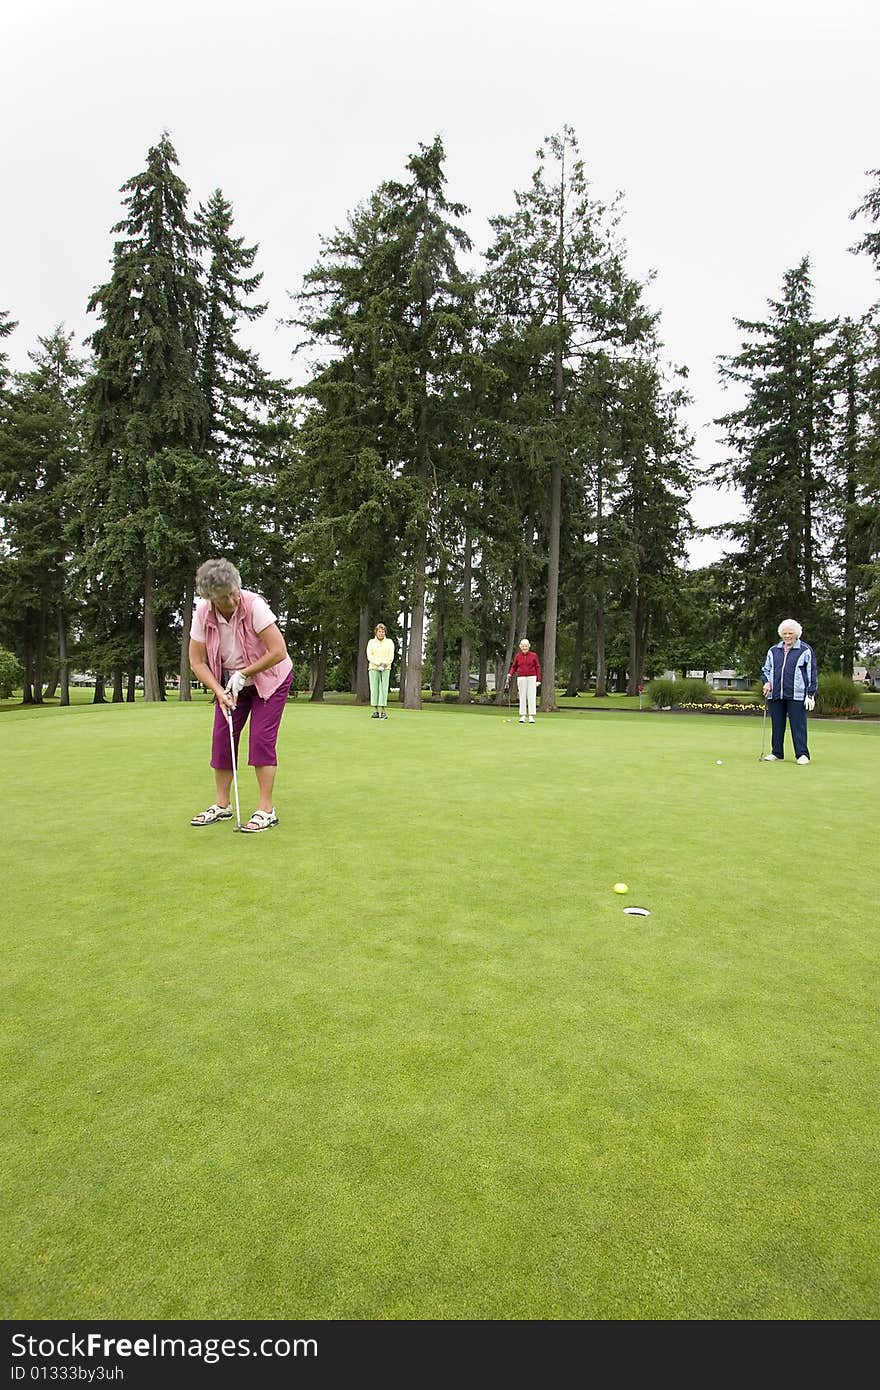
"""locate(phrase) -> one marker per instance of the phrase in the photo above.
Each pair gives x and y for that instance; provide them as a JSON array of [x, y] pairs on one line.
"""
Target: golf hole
[[636, 912]]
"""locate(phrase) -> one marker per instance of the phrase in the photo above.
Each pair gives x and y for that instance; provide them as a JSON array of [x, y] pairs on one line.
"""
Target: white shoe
[[771, 758], [803, 760], [522, 719], [531, 719]]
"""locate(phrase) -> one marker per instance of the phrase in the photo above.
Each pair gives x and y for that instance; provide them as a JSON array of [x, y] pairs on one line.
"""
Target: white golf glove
[[235, 684], [809, 702]]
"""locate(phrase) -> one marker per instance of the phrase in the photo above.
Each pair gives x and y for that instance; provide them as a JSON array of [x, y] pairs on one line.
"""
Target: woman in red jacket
[[527, 669]]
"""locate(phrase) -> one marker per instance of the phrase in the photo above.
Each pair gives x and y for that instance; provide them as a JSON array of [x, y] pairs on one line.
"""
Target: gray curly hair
[[215, 578], [790, 622]]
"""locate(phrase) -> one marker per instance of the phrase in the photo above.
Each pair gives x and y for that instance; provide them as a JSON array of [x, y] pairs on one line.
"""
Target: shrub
[[10, 672], [836, 693], [663, 692]]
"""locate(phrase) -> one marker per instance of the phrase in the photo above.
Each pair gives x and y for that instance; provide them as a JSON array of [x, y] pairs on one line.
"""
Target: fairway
[[405, 1056]]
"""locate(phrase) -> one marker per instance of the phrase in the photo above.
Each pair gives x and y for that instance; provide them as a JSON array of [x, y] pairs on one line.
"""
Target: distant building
[[728, 680], [719, 680]]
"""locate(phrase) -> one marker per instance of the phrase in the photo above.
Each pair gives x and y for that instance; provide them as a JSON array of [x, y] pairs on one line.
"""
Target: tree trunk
[[151, 669], [117, 698], [40, 655], [189, 594], [362, 669], [483, 653], [131, 688], [551, 610], [98, 697], [548, 664], [483, 668], [318, 673], [808, 492], [635, 602], [577, 660], [508, 651], [27, 673], [52, 684], [404, 650], [439, 645], [850, 570], [638, 637], [464, 664], [63, 663], [600, 584], [413, 688], [525, 583], [160, 673]]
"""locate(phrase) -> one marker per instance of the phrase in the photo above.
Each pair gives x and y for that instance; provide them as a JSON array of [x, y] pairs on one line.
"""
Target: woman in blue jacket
[[791, 680]]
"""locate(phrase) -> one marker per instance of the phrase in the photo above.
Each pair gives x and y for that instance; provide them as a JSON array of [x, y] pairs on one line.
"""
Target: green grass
[[405, 1057]]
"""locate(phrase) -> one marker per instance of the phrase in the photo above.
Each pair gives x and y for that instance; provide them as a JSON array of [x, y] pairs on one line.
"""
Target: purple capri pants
[[265, 720]]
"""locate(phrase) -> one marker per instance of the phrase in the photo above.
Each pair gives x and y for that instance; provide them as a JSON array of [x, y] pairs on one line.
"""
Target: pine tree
[[433, 351], [868, 484], [781, 443], [147, 414], [655, 457], [352, 440], [556, 274], [223, 498], [40, 449], [851, 509], [387, 297], [7, 326]]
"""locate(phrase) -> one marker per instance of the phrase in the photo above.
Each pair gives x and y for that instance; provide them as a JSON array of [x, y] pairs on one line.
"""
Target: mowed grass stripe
[[405, 1056]]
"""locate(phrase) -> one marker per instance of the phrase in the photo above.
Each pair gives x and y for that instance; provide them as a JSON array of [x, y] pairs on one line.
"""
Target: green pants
[[379, 687]]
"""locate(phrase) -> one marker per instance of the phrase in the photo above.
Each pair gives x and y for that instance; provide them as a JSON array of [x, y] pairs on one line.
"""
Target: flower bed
[[722, 707], [755, 708]]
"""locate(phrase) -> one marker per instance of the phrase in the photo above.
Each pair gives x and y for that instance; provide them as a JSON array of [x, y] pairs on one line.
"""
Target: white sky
[[740, 131]]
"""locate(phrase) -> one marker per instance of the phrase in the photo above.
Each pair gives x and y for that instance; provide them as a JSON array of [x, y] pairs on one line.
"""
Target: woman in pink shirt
[[236, 649]]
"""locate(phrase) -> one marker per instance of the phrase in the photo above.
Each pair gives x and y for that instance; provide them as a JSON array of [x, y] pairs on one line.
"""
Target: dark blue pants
[[794, 711]]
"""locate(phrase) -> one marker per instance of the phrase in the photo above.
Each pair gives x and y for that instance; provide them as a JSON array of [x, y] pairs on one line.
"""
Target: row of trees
[[470, 455]]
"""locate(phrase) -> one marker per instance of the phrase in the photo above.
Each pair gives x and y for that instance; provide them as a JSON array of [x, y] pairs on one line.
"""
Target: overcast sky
[[739, 130]]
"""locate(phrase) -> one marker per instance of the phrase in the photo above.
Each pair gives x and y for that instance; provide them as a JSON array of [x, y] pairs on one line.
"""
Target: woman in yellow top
[[380, 654]]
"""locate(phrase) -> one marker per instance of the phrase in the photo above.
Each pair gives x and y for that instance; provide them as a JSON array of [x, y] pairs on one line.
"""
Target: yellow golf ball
[[620, 888]]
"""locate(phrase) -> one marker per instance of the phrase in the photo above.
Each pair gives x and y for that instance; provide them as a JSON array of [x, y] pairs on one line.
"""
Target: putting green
[[405, 1056]]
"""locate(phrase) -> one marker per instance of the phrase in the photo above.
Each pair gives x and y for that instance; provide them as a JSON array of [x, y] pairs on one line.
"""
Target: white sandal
[[212, 814], [264, 821]]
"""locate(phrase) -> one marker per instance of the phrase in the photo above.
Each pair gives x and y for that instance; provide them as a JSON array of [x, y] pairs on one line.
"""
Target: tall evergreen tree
[[556, 273], [781, 444], [433, 347], [223, 500], [353, 440], [852, 510], [388, 298], [869, 466], [146, 409], [655, 455], [40, 449], [7, 326]]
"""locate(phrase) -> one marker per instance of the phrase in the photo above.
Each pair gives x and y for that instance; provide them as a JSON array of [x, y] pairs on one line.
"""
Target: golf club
[[234, 770], [763, 730]]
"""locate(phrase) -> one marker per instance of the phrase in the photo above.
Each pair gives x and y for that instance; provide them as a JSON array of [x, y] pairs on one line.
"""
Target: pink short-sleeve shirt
[[231, 648]]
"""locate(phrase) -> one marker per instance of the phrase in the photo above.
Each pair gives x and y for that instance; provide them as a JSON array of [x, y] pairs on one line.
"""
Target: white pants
[[528, 690]]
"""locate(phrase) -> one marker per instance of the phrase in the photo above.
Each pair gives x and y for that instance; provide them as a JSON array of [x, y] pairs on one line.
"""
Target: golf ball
[[718, 761], [620, 888]]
